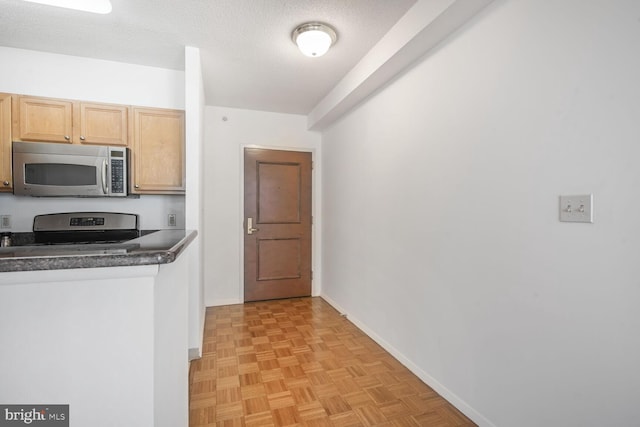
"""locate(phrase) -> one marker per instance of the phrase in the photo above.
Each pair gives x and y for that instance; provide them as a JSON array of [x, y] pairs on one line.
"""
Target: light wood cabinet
[[71, 122], [5, 143], [42, 119], [158, 151], [101, 124]]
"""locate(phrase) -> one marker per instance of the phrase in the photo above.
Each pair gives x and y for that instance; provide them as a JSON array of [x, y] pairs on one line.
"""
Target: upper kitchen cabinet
[[5, 142], [42, 119], [158, 151], [66, 121], [101, 124]]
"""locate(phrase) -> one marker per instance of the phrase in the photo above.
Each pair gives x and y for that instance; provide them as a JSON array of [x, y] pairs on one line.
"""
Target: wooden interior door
[[277, 224]]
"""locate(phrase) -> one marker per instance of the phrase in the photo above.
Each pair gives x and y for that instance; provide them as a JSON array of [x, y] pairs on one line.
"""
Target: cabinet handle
[[67, 137], [82, 138], [136, 186], [6, 183]]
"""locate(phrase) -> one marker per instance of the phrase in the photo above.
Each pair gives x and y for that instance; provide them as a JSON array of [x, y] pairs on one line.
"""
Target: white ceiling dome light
[[314, 38]]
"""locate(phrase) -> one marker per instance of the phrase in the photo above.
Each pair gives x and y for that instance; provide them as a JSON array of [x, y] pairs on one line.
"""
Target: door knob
[[250, 229]]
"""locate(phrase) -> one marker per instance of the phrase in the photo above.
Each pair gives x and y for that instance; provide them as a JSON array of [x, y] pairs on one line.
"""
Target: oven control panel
[[85, 221]]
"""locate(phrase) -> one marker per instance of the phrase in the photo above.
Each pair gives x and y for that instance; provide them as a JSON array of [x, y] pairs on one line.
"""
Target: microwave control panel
[[118, 172], [117, 176]]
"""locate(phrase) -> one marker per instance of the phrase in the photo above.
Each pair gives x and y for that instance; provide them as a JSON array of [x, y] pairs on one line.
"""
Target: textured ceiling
[[247, 55]]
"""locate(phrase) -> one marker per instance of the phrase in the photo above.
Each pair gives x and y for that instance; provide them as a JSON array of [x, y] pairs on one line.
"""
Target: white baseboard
[[219, 302], [195, 348], [452, 398], [195, 353]]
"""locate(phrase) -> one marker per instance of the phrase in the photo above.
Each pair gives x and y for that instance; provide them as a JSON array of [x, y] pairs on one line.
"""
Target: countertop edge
[[63, 262]]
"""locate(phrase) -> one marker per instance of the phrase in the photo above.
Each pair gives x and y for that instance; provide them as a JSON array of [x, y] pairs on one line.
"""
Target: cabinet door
[[101, 124], [5, 142], [158, 151], [43, 119]]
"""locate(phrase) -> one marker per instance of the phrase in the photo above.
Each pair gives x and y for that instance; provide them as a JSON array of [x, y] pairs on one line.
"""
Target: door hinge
[[311, 219], [312, 165], [311, 274]]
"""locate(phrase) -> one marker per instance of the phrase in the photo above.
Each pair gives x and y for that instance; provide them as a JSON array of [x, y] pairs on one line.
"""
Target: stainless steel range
[[85, 227]]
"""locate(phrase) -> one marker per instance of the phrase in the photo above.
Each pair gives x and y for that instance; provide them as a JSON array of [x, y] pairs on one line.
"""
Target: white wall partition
[[194, 109], [440, 215], [108, 341], [227, 131]]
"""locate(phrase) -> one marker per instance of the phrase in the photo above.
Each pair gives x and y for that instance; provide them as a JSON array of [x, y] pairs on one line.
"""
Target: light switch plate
[[576, 208], [5, 221], [172, 220]]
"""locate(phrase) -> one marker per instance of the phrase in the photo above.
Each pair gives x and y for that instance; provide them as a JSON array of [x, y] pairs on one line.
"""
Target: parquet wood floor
[[299, 363]]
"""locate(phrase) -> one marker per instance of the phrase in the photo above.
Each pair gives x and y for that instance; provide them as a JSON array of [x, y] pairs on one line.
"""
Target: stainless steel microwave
[[47, 169]]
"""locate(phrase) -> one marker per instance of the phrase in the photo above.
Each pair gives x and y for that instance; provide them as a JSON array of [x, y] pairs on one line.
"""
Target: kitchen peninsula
[[103, 328], [158, 247]]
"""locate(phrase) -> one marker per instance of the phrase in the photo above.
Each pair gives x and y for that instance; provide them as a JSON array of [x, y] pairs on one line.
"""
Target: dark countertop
[[159, 247]]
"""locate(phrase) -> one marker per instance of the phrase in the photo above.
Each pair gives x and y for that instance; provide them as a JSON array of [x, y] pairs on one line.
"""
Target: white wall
[[458, 262], [227, 131], [71, 77]]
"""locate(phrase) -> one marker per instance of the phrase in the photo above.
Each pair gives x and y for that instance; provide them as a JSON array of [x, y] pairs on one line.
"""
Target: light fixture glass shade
[[314, 39], [94, 6]]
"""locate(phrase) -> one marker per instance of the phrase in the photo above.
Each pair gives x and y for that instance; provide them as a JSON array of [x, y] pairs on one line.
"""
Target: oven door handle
[[105, 189]]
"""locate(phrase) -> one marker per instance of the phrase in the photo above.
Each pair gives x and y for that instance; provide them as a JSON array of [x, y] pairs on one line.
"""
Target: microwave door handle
[[104, 177]]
